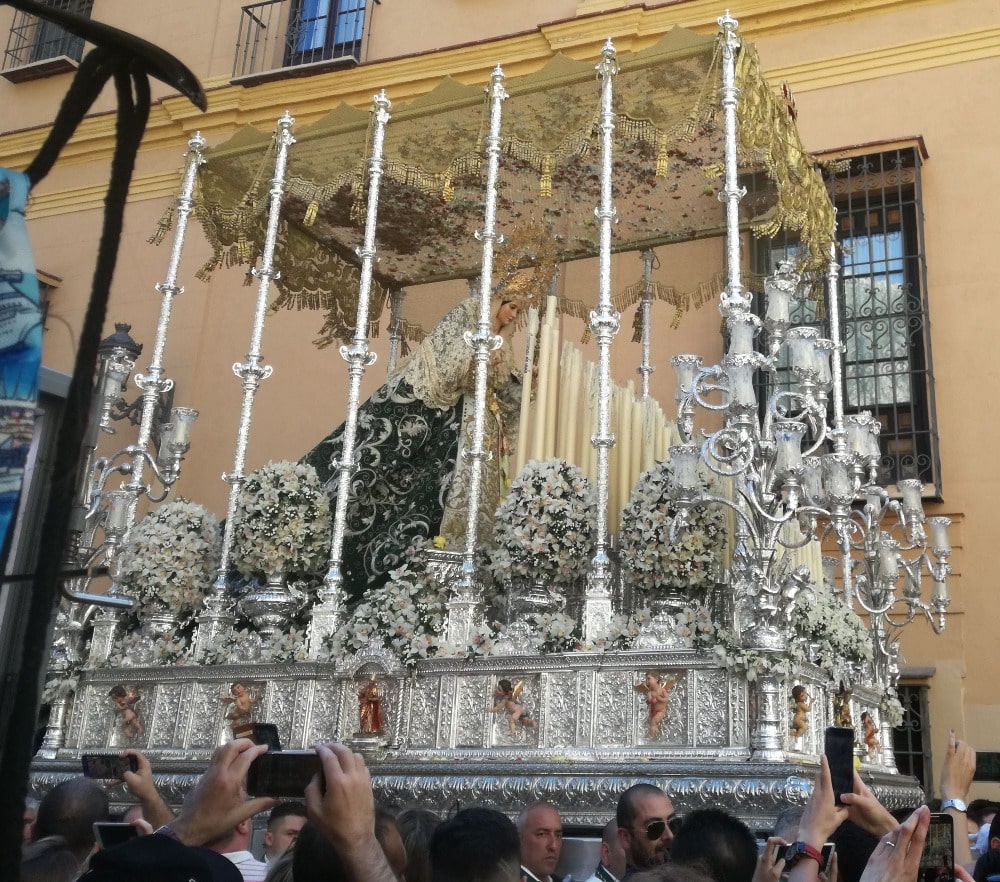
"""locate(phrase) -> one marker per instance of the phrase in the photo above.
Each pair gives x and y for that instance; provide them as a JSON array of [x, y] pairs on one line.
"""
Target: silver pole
[[646, 368], [734, 299], [252, 371], [604, 324], [325, 616], [462, 608]]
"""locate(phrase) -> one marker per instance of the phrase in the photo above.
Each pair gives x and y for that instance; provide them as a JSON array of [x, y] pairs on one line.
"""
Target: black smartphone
[[838, 745], [937, 863], [108, 834], [283, 773], [108, 766]]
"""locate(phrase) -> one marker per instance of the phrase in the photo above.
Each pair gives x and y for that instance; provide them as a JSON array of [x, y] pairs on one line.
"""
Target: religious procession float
[[506, 578]]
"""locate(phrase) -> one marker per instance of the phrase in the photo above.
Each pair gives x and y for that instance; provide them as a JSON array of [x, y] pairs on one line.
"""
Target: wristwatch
[[799, 850], [957, 804]]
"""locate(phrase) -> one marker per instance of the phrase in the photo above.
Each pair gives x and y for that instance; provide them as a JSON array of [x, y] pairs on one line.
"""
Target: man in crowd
[[539, 830], [476, 844], [69, 810], [234, 844], [645, 814], [283, 825], [612, 865]]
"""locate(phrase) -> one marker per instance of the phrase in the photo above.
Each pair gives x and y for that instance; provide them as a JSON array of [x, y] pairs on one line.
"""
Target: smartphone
[[937, 863], [838, 746], [108, 766], [828, 849], [283, 773], [108, 834]]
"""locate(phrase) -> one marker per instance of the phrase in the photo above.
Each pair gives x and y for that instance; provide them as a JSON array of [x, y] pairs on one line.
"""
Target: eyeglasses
[[657, 827]]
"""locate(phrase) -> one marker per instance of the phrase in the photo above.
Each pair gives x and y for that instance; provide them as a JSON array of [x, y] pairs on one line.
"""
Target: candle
[[684, 458], [743, 327], [740, 370], [686, 368], [524, 423], [788, 437], [911, 489], [801, 346], [837, 478], [117, 513], [857, 426], [777, 295], [542, 394], [812, 479], [552, 398], [636, 436], [183, 418], [888, 558], [574, 381]]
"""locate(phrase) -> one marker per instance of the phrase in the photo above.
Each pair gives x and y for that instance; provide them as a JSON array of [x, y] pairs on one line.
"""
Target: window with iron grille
[[883, 308], [275, 35], [911, 739], [38, 48]]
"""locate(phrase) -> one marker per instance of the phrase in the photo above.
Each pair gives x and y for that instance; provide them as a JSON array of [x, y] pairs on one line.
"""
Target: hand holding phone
[[108, 766], [937, 862], [838, 745], [283, 773]]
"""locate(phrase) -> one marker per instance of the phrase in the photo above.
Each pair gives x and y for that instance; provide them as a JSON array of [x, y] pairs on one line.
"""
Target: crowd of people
[[340, 833]]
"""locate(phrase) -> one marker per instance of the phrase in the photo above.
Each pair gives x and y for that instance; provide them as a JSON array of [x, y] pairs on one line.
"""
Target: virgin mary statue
[[411, 480]]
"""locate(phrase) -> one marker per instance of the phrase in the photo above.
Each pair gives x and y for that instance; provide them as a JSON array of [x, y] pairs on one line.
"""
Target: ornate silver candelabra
[[800, 471]]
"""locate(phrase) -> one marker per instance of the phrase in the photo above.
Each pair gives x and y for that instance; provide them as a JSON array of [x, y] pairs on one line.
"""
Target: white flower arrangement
[[170, 559], [544, 528], [282, 521], [137, 650], [406, 616], [245, 644], [621, 632], [654, 563], [837, 634], [892, 707], [60, 687]]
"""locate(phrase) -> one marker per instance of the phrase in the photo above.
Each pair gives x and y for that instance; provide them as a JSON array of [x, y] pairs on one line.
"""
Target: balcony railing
[[280, 34], [38, 48]]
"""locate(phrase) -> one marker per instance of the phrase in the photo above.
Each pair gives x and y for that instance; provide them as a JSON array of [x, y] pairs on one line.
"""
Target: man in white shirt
[[612, 865], [235, 845]]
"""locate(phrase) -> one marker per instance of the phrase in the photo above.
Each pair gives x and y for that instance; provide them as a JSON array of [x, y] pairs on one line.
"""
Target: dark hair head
[[477, 845], [49, 860], [980, 808], [314, 857], [720, 842], [995, 827], [69, 809], [988, 865], [854, 848], [625, 813], [417, 826], [671, 872], [285, 810], [506, 685]]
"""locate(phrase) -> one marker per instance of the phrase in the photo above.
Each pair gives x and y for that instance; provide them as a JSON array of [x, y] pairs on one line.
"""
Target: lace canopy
[[668, 166]]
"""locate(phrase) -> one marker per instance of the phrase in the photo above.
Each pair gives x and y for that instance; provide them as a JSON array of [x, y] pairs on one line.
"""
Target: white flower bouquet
[[651, 561], [837, 634], [170, 559], [544, 529], [282, 522], [406, 616]]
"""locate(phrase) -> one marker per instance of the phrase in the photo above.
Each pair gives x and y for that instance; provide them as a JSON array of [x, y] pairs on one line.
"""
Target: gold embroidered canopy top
[[668, 166]]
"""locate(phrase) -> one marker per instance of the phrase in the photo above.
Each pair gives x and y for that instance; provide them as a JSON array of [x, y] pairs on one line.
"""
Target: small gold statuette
[[507, 698], [657, 692], [125, 699], [370, 708], [243, 704], [801, 705]]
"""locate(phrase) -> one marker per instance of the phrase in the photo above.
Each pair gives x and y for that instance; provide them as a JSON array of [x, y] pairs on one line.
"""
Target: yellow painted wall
[[862, 70]]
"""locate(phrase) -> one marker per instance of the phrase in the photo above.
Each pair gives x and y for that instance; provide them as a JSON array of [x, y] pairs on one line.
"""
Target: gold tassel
[[676, 322], [312, 211], [165, 222], [545, 186], [357, 210], [448, 192], [662, 158], [587, 336]]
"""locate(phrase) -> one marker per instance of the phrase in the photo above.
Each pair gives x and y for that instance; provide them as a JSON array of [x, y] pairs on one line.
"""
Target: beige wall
[[870, 72]]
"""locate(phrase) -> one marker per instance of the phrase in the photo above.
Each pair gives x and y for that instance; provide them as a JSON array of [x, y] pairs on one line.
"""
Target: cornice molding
[[173, 120]]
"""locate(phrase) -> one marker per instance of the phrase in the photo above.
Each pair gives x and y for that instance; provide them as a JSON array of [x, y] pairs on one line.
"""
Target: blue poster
[[20, 343]]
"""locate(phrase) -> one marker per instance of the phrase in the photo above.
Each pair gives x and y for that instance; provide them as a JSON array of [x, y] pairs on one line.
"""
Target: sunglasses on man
[[656, 827]]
